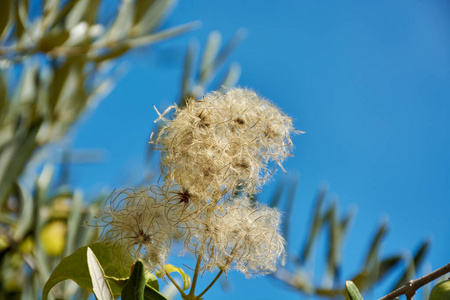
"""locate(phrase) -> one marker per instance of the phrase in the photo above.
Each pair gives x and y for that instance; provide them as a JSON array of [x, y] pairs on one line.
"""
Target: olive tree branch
[[412, 286]]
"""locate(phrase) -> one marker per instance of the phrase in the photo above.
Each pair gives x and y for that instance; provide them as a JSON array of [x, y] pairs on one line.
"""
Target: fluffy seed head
[[137, 220], [242, 235], [225, 142]]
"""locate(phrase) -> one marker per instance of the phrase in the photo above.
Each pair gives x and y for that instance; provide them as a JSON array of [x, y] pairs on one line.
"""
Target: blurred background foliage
[[57, 60], [321, 275]]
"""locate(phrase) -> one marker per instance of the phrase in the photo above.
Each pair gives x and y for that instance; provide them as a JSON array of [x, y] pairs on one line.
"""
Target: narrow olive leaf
[[353, 291], [113, 53], [315, 227], [169, 269], [49, 13], [148, 14], [61, 15], [21, 14], [101, 288], [27, 217], [14, 159], [150, 293], [3, 92], [408, 274], [112, 257], [289, 208], [43, 183], [276, 197], [366, 279], [135, 287], [209, 54], [162, 35], [231, 77], [226, 51], [77, 13], [5, 10], [334, 245], [120, 27], [91, 14], [413, 264], [141, 7], [74, 222], [186, 90], [52, 40], [388, 264], [58, 78], [372, 255], [28, 88], [346, 221]]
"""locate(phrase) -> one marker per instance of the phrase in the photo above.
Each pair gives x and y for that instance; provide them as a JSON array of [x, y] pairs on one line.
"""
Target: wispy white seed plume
[[225, 142]]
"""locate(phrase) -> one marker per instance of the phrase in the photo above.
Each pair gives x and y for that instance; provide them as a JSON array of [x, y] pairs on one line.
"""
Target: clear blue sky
[[369, 81]]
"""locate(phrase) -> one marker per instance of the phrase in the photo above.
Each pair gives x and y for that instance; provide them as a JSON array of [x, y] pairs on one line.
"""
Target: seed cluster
[[224, 142], [215, 153]]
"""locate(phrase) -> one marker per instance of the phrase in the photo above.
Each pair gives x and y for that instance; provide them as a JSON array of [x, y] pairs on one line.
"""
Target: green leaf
[[151, 293], [413, 265], [372, 255], [210, 54], [27, 217], [3, 92], [186, 90], [223, 55], [162, 35], [148, 14], [4, 15], [315, 227], [152, 281], [353, 291], [100, 286], [134, 289], [367, 278], [276, 197], [231, 77], [112, 257], [289, 207], [52, 40], [334, 244], [170, 268], [14, 159]]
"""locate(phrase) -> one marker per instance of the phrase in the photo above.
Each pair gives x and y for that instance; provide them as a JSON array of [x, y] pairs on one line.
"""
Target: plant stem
[[176, 285], [412, 286], [196, 272], [211, 284]]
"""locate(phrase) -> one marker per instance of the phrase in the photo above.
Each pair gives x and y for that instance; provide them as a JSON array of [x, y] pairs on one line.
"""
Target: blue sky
[[367, 80]]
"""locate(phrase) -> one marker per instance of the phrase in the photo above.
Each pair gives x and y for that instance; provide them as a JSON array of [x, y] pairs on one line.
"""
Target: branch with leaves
[[409, 289], [373, 270]]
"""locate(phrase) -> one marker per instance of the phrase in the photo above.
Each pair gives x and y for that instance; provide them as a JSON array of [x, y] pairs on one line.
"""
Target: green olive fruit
[[53, 237], [441, 291]]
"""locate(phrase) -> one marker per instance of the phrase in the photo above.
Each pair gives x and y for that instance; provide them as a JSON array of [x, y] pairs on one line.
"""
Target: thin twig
[[412, 286], [211, 284], [176, 285], [196, 272]]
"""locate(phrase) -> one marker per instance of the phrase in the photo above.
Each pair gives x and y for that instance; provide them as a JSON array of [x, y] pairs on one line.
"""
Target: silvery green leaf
[[223, 55], [210, 54], [100, 286], [76, 13], [148, 14], [5, 13], [317, 222], [353, 291], [162, 35], [231, 78]]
